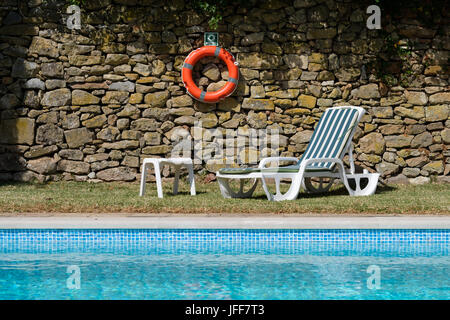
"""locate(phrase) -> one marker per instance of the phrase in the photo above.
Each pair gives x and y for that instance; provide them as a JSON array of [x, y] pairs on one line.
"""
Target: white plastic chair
[[157, 163]]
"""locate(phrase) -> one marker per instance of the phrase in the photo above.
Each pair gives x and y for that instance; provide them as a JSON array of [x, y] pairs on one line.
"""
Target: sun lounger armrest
[[263, 162]]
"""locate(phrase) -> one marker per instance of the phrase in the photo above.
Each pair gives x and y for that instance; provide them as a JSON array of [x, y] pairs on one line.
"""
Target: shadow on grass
[[185, 193], [338, 190], [22, 184], [342, 191], [335, 191]]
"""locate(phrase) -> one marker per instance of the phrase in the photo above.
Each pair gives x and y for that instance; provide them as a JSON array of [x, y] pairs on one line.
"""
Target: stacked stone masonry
[[91, 104]]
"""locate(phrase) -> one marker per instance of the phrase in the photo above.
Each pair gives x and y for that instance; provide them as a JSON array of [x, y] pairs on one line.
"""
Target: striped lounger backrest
[[331, 135]]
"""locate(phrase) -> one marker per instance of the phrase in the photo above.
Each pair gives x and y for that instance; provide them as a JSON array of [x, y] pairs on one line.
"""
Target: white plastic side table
[[157, 163]]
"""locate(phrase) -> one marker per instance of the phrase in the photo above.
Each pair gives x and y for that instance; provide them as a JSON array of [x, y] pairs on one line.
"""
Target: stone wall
[[92, 103]]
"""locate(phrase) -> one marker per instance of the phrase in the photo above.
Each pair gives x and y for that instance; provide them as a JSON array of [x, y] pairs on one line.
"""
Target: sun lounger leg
[[320, 187], [291, 194], [369, 189], [227, 192]]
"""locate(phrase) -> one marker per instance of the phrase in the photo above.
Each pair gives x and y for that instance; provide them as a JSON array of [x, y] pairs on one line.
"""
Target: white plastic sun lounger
[[323, 158]]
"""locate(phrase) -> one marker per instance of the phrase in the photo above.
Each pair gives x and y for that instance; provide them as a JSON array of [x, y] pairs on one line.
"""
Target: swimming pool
[[224, 264]]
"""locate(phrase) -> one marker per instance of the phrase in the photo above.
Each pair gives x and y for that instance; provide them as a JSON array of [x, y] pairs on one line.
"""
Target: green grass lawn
[[83, 197]]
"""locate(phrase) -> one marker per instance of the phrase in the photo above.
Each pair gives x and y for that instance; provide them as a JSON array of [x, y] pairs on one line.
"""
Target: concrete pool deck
[[224, 222]]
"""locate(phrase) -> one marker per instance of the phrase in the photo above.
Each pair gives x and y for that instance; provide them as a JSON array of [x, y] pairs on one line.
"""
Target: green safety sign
[[211, 39]]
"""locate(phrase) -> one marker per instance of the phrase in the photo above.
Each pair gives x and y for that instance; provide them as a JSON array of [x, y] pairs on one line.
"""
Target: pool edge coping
[[226, 222]]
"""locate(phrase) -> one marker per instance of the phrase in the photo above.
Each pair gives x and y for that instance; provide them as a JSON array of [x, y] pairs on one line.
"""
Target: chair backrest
[[333, 135]]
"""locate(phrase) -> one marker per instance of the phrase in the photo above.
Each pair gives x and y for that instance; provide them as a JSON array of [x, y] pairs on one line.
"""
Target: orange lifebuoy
[[193, 58]]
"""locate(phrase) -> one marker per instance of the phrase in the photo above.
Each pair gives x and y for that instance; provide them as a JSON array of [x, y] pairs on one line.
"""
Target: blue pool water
[[224, 264]]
